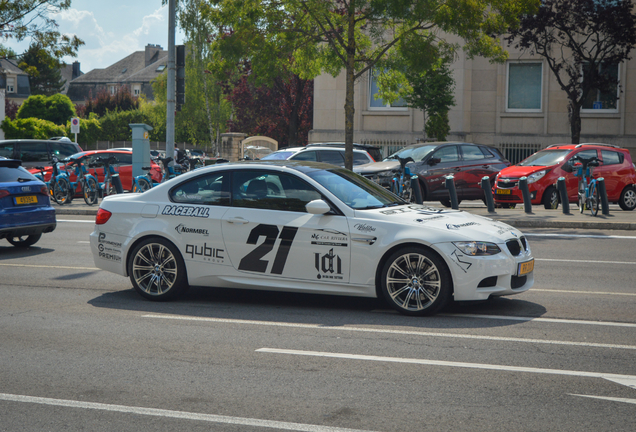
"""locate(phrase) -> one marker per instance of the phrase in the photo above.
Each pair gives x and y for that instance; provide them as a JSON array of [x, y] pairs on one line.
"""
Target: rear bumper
[[27, 230]]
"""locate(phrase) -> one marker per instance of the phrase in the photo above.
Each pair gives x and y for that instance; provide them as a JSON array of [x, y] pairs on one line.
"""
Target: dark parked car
[[34, 153], [25, 207], [433, 161], [374, 151]]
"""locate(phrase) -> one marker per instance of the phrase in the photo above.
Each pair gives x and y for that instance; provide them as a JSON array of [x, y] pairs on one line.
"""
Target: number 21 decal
[[253, 261]]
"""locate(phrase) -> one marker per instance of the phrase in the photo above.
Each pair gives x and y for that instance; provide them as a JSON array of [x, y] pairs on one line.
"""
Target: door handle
[[237, 220]]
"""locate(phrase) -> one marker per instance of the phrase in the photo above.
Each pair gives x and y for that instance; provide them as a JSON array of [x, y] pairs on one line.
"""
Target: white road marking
[[628, 380], [585, 261], [184, 415], [613, 399], [84, 241], [398, 332], [596, 236], [583, 292], [551, 320], [76, 220], [47, 266]]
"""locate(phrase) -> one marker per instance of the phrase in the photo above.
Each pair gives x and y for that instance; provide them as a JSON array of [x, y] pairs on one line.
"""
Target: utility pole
[[172, 75]]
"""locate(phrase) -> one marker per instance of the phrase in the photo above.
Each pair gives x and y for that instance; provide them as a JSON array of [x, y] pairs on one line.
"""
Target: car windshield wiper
[[23, 180], [393, 204]]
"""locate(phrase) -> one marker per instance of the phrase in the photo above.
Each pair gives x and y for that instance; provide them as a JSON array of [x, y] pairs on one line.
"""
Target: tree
[[31, 128], [104, 102], [57, 108], [309, 37], [45, 77], [31, 19], [581, 41]]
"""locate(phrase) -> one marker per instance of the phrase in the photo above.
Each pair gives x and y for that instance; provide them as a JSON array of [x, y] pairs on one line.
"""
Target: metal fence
[[516, 152], [387, 147]]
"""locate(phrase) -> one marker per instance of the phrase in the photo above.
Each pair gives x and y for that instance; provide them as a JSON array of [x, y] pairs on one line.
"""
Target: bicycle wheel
[[594, 199], [61, 191], [90, 190], [144, 184]]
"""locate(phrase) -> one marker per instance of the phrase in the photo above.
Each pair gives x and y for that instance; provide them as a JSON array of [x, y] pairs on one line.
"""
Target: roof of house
[[66, 71], [9, 66]]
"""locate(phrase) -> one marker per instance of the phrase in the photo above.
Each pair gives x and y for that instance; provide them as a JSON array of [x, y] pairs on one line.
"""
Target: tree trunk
[[574, 115], [350, 70]]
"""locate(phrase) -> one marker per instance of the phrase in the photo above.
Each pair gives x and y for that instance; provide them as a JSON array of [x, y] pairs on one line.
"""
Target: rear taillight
[[102, 216], [4, 193], [45, 191]]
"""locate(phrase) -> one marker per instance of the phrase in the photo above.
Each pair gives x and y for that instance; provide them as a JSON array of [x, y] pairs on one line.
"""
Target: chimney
[[152, 54], [76, 70]]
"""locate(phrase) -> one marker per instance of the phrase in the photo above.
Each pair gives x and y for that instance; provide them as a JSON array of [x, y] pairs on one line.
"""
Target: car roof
[[585, 145]]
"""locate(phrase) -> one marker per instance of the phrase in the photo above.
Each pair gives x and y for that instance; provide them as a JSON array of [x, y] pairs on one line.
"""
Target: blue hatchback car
[[25, 208]]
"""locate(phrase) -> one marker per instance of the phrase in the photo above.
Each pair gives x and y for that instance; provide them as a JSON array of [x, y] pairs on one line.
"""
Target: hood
[[372, 168], [444, 225], [516, 171]]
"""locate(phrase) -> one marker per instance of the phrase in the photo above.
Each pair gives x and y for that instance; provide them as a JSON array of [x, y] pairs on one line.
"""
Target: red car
[[123, 167], [544, 168]]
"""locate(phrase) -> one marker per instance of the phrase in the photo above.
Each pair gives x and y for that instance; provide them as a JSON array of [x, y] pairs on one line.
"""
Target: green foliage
[[104, 102], [90, 132], [31, 128], [44, 71], [437, 126], [115, 125], [57, 108]]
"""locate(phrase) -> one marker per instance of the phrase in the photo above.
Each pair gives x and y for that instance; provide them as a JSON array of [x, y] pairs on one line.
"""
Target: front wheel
[[415, 281], [594, 200], [61, 191], [24, 241], [447, 202], [551, 198], [144, 184], [627, 201], [157, 270], [90, 191]]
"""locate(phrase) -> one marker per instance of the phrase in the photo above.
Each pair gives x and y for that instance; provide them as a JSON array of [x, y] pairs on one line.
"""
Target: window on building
[[136, 90], [10, 85], [524, 86], [379, 103], [113, 90], [598, 100]]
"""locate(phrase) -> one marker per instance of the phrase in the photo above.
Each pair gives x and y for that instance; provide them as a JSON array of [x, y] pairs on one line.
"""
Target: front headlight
[[536, 176], [475, 248]]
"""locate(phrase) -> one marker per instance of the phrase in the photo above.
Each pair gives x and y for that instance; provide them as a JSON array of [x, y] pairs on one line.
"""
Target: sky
[[111, 30]]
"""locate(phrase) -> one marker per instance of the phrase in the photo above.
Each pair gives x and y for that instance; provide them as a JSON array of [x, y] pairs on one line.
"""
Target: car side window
[[334, 157], [62, 150], [305, 156], [612, 157], [271, 191], [122, 158], [211, 189], [360, 158], [6, 150], [584, 154], [34, 152], [471, 153], [487, 152], [447, 154]]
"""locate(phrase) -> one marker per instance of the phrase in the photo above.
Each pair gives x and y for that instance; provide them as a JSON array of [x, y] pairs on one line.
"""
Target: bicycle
[[143, 182], [58, 185], [401, 181], [588, 190], [168, 171], [87, 183], [107, 185]]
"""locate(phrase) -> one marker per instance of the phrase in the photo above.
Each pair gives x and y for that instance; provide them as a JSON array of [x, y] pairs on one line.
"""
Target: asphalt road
[[80, 350]]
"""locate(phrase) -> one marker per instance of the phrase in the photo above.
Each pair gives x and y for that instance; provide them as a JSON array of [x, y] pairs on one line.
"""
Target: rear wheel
[[446, 202], [61, 190], [157, 270], [90, 191], [24, 241], [415, 281], [627, 201], [594, 200], [144, 185], [551, 198]]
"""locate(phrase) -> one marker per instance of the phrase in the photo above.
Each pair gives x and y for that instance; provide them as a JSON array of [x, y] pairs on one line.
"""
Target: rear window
[[13, 174], [6, 150], [611, 157], [34, 152]]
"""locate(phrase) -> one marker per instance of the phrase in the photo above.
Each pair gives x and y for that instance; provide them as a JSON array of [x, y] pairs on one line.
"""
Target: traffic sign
[[75, 125]]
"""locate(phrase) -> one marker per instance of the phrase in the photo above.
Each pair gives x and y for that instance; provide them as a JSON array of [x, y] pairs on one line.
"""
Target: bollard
[[490, 202], [523, 185], [117, 183], [450, 185], [563, 193], [417, 191], [602, 191]]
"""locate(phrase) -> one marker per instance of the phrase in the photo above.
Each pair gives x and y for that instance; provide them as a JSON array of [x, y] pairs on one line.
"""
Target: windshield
[[279, 155], [354, 190], [417, 153], [545, 158]]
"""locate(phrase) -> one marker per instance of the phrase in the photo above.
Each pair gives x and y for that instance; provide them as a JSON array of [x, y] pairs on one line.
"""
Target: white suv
[[331, 155]]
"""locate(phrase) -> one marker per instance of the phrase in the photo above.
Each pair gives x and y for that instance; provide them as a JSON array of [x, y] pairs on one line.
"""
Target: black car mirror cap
[[434, 161], [567, 167]]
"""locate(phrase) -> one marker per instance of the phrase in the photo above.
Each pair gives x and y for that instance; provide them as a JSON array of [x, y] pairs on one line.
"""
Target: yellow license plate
[[525, 267], [503, 191], [30, 199]]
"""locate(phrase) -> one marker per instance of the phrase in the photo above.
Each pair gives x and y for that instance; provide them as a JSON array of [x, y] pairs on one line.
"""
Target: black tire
[[24, 241], [446, 202], [627, 201], [594, 200], [508, 205], [144, 185], [419, 271], [551, 198], [156, 270], [61, 190], [581, 203], [90, 191]]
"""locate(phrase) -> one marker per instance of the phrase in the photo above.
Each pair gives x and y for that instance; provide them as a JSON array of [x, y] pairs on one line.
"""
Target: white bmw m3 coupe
[[305, 227]]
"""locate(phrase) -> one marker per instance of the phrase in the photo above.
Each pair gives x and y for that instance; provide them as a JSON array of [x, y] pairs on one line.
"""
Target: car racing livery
[[314, 228]]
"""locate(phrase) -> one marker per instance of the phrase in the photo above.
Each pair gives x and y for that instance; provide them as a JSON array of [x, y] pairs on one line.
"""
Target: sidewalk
[[539, 218]]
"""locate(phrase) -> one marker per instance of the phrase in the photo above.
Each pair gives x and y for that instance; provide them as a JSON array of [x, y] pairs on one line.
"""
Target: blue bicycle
[[59, 185], [142, 183], [401, 182], [108, 186], [588, 189], [87, 183]]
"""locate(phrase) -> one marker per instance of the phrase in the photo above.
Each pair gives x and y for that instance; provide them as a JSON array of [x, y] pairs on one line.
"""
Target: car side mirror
[[317, 207], [567, 167], [434, 161]]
